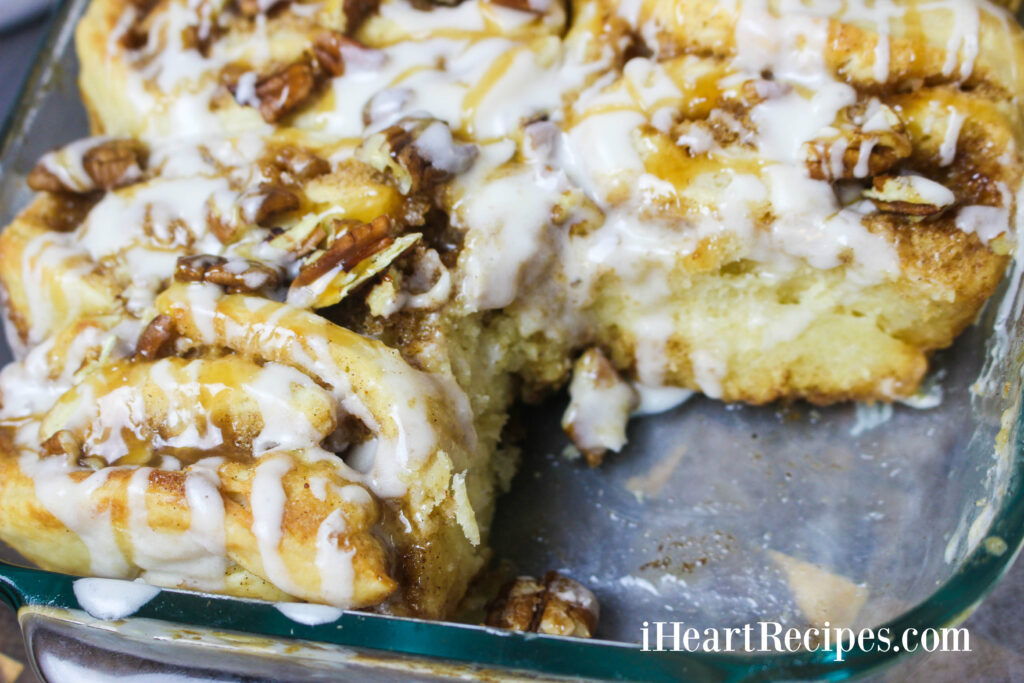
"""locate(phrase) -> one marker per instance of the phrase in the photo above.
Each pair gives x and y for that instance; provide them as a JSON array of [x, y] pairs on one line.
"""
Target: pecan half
[[555, 606], [356, 243], [235, 275], [300, 164], [327, 48], [868, 139], [116, 163], [418, 152], [154, 338], [90, 165], [279, 93], [266, 201], [600, 403], [910, 195]]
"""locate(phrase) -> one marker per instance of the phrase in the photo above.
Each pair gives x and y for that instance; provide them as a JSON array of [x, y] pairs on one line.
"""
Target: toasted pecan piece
[[327, 49], [153, 340], [418, 152], [278, 94], [235, 275], [555, 606], [116, 163], [301, 164], [266, 201], [89, 166], [599, 407], [354, 244]]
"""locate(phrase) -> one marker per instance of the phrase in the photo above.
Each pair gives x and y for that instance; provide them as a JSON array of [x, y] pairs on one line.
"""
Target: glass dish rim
[[950, 603]]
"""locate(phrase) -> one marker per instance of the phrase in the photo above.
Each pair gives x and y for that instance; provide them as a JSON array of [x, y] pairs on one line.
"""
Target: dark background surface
[[997, 628]]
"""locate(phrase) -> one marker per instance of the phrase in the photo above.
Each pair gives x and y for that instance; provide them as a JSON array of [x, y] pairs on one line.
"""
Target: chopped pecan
[[868, 139], [265, 202], [911, 195], [89, 165], [557, 606], [312, 241], [300, 164], [358, 242], [115, 163], [153, 340], [343, 278], [418, 152], [333, 51], [327, 48], [599, 407], [302, 238], [235, 275], [67, 211], [279, 93]]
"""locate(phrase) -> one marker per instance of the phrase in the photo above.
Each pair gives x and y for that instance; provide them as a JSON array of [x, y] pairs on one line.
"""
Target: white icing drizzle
[[987, 222], [655, 399], [600, 404], [284, 427], [267, 502], [333, 561], [110, 599], [861, 170], [955, 122], [963, 46], [309, 615], [708, 372], [507, 214], [882, 53], [42, 259], [193, 559], [73, 504], [207, 525], [870, 416]]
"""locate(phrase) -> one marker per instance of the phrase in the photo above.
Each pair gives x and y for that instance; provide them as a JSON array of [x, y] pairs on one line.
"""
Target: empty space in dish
[[716, 514]]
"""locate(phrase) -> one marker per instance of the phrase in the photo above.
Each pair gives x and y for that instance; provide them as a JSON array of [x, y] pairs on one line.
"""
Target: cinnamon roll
[[271, 319]]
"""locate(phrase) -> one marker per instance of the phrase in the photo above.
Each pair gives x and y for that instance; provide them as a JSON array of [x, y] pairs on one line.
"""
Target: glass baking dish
[[715, 515]]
